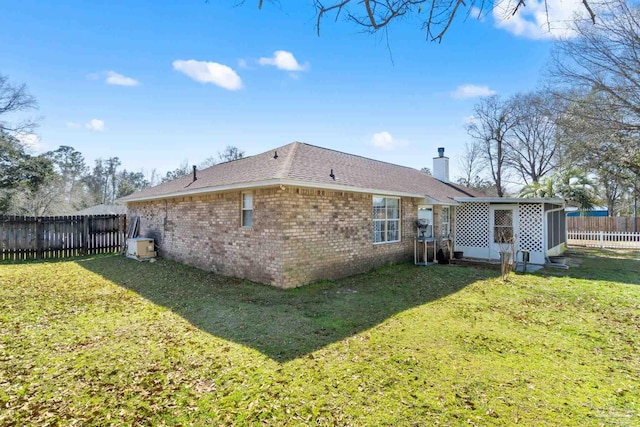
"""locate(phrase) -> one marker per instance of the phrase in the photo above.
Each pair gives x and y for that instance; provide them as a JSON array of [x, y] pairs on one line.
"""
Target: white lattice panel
[[472, 225], [531, 229]]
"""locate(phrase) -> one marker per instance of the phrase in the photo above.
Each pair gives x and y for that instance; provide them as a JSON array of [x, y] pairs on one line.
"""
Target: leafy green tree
[[20, 174], [230, 153], [103, 181], [130, 182], [477, 183], [71, 170], [612, 182], [571, 184], [69, 164], [178, 172], [11, 152], [36, 195]]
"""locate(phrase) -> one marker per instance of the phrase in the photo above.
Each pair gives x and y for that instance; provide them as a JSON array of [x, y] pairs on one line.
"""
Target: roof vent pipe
[[194, 173]]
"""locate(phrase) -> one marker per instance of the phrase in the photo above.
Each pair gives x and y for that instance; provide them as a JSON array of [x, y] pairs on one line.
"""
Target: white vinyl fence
[[604, 239]]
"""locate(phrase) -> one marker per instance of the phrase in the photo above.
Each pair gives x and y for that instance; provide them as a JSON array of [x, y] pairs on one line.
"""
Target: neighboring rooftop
[[307, 165], [103, 209]]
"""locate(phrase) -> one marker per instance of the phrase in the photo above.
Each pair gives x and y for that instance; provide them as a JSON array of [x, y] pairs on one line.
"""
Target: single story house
[[301, 213]]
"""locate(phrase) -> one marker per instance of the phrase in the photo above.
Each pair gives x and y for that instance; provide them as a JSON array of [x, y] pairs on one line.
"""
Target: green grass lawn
[[107, 340]]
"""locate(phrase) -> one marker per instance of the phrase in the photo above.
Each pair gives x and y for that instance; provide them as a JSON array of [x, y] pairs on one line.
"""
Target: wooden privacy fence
[[610, 223], [23, 237], [604, 239]]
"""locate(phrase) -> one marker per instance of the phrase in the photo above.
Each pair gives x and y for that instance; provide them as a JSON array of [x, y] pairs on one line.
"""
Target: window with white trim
[[386, 219], [446, 221], [247, 209]]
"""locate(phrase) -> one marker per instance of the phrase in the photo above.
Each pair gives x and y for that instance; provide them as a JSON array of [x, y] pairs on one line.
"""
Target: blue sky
[[159, 82]]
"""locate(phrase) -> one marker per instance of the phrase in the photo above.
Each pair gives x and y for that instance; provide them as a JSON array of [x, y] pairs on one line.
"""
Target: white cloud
[[95, 124], [30, 141], [469, 120], [242, 63], [284, 60], [385, 141], [476, 13], [471, 91], [538, 20], [114, 78], [209, 72]]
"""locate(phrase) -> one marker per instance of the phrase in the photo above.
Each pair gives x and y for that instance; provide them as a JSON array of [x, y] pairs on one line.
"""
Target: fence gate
[[24, 237]]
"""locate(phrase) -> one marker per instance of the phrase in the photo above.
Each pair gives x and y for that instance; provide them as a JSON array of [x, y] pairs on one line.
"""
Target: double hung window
[[386, 219], [446, 221], [247, 210]]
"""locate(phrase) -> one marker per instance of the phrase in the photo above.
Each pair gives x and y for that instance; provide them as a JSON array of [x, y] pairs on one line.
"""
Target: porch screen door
[[504, 228]]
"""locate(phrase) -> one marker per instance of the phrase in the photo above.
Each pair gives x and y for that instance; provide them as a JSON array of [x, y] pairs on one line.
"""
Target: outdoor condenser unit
[[141, 248]]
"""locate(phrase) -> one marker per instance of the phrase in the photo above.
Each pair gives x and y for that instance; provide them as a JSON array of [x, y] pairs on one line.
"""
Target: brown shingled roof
[[311, 166]]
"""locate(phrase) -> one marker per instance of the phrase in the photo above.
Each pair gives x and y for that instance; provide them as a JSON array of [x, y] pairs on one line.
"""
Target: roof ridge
[[358, 155], [285, 169], [457, 187]]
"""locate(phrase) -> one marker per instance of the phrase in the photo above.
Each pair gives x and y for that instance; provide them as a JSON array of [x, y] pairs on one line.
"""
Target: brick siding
[[205, 231], [299, 235], [329, 234]]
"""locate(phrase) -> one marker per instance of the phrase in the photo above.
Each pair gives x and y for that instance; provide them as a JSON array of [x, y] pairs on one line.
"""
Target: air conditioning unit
[[141, 248]]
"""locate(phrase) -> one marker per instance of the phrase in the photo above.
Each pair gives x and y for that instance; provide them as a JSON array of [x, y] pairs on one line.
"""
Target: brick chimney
[[441, 166]]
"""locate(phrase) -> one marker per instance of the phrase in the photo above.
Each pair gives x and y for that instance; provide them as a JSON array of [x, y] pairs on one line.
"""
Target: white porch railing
[[604, 239]]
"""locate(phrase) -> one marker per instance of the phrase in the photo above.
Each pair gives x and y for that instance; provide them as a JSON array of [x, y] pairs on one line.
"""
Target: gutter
[[271, 183], [554, 201]]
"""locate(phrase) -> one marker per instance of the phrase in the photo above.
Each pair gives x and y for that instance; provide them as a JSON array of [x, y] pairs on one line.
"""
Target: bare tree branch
[[15, 99], [533, 149], [374, 15], [448, 24], [598, 73], [491, 128], [586, 5], [520, 3], [324, 10]]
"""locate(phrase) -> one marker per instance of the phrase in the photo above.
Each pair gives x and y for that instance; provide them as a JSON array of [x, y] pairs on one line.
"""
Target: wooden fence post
[[122, 232], [38, 238], [85, 235]]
